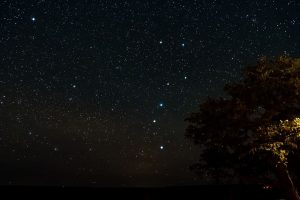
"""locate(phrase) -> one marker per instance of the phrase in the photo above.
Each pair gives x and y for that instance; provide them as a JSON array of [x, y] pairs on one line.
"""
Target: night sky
[[95, 92]]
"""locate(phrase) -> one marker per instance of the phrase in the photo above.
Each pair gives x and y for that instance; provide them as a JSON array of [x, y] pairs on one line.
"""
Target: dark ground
[[189, 192]]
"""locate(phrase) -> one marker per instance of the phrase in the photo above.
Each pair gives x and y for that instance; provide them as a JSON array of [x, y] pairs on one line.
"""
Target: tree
[[254, 132]]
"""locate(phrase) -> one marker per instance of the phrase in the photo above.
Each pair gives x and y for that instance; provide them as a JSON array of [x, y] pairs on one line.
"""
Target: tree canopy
[[256, 131]]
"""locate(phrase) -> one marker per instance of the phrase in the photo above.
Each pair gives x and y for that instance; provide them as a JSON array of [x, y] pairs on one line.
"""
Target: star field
[[95, 92]]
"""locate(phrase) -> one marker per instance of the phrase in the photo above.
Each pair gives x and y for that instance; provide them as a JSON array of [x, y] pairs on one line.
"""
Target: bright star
[[185, 77], [161, 147], [183, 45], [160, 42], [161, 105], [33, 19], [154, 121]]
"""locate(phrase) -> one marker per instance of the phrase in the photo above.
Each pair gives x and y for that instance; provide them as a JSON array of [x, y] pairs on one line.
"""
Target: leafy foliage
[[279, 139], [255, 129]]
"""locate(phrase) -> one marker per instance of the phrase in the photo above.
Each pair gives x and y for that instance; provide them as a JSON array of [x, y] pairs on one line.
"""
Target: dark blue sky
[[96, 92]]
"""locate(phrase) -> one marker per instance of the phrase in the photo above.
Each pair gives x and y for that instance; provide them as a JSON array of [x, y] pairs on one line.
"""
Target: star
[[185, 77], [293, 22], [161, 147], [33, 19], [160, 42], [183, 45], [161, 105], [154, 121]]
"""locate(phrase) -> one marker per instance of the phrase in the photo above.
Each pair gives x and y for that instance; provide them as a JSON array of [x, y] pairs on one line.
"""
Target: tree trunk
[[286, 184]]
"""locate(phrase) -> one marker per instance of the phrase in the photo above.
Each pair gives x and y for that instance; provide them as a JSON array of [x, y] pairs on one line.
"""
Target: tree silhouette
[[254, 133]]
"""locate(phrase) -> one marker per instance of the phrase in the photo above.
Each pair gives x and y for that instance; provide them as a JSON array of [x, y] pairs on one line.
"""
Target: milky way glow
[[99, 90]]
